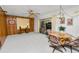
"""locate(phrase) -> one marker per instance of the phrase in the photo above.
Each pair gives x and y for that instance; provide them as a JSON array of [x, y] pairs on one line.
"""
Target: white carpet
[[27, 43], [31, 42]]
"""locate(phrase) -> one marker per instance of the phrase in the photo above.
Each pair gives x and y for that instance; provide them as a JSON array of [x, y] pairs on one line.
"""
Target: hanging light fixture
[[61, 13]]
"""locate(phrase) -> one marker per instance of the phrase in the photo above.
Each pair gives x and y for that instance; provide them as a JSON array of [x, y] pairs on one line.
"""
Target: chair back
[[74, 42], [48, 31], [54, 39]]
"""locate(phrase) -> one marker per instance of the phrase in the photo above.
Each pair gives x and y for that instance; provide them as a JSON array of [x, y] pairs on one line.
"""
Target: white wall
[[53, 20], [71, 29], [74, 30], [36, 23]]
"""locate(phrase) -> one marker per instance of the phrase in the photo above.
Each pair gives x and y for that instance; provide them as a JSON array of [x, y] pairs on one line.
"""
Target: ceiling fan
[[31, 13]]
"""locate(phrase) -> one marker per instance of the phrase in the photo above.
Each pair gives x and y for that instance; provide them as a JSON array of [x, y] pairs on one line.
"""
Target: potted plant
[[61, 28]]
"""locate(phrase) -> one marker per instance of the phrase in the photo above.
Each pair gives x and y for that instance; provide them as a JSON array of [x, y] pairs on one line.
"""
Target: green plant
[[61, 28]]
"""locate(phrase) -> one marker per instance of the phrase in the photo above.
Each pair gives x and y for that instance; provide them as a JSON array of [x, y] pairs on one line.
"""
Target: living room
[[25, 21]]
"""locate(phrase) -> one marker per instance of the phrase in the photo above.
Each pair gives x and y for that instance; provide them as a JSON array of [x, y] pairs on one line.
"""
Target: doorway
[[45, 24]]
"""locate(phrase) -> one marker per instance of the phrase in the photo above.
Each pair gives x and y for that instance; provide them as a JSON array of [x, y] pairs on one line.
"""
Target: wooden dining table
[[64, 38]]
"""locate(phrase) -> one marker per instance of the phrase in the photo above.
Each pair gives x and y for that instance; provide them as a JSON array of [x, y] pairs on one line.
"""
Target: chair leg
[[71, 48], [57, 48], [54, 49], [64, 48], [48, 40], [74, 48]]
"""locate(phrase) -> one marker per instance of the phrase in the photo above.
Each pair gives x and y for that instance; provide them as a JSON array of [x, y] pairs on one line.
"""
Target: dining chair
[[48, 34], [73, 45], [54, 41]]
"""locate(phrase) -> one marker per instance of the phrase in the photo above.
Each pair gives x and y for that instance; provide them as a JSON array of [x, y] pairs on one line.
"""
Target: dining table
[[64, 38]]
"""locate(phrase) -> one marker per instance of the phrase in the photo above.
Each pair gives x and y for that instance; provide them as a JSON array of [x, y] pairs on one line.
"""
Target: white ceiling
[[44, 10]]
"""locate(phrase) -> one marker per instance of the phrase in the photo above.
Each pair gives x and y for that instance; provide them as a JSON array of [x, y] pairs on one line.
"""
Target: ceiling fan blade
[[31, 13]]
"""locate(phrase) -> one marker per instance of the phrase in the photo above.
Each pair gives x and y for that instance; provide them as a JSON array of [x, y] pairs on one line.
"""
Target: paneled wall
[[3, 29], [8, 25], [3, 24], [31, 23], [11, 25]]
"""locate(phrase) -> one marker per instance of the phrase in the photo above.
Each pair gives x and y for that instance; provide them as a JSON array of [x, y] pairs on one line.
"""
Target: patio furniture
[[54, 41], [74, 45], [48, 34]]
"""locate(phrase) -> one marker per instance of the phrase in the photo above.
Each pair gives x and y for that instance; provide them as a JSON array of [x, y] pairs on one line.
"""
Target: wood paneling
[[31, 24], [12, 28], [3, 30], [2, 40], [11, 25]]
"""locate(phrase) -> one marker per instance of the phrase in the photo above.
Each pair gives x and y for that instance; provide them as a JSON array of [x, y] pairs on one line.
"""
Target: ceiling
[[44, 10]]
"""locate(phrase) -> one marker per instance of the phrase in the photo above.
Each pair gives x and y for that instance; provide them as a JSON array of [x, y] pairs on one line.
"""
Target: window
[[23, 23]]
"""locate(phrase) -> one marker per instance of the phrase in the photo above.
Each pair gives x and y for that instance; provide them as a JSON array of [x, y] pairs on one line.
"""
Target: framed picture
[[62, 20], [69, 21], [11, 22]]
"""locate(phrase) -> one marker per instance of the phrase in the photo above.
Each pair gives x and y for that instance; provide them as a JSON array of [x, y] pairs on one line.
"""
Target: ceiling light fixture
[[61, 13]]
